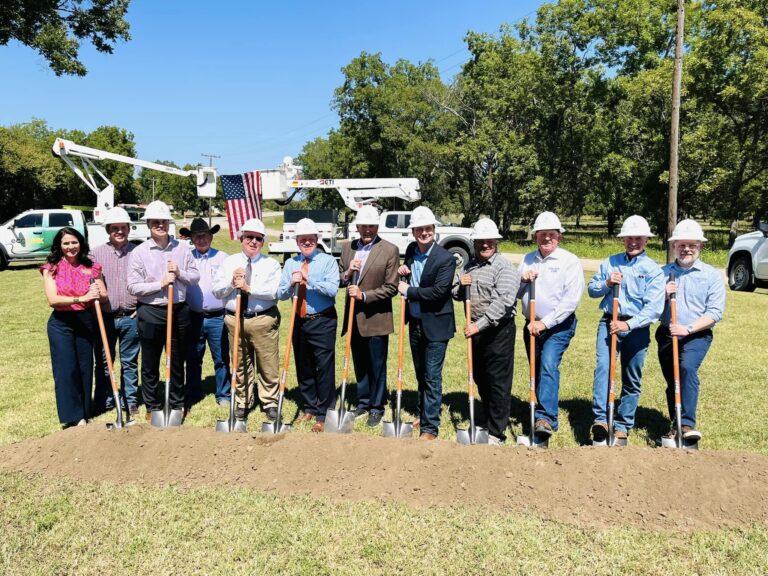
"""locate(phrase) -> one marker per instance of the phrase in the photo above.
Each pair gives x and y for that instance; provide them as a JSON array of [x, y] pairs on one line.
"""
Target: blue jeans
[[550, 347], [213, 332], [692, 350], [370, 357], [632, 348], [126, 329], [428, 358]]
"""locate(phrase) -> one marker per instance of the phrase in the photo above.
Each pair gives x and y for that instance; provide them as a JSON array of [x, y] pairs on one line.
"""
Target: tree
[[175, 190], [54, 27]]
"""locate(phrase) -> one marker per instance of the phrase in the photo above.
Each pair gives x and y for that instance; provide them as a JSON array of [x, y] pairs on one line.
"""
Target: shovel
[[342, 421], [679, 441], [612, 378], [532, 440], [278, 426], [474, 434], [398, 428], [232, 424], [111, 368], [167, 417]]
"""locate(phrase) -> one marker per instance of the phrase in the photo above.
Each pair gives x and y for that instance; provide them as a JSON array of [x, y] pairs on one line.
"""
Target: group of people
[[134, 284]]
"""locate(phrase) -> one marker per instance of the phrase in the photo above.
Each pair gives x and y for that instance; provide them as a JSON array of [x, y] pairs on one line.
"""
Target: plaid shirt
[[493, 292]]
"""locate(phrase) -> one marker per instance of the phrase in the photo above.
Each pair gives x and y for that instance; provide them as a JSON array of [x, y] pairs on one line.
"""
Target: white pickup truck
[[748, 260], [393, 226]]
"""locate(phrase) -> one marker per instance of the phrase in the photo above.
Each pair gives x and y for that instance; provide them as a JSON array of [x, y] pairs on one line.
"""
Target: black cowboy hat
[[199, 225]]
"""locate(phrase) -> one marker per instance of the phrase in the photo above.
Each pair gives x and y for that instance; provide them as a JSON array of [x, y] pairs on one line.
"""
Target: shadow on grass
[[580, 418]]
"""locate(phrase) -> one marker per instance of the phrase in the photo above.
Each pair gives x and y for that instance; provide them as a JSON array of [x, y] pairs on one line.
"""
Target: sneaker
[[360, 412], [690, 434], [271, 413], [599, 432], [494, 441], [543, 428], [620, 435], [671, 435], [374, 419]]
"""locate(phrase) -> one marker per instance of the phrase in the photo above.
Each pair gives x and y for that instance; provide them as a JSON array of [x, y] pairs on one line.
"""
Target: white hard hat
[[116, 215], [367, 215], [635, 226], [157, 210], [422, 216], [253, 225], [306, 226], [548, 221], [687, 230], [485, 229]]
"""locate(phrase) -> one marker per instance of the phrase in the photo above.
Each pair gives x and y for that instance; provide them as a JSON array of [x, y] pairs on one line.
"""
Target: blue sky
[[250, 81]]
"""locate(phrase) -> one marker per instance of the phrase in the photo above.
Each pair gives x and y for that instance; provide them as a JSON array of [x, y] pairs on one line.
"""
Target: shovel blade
[[226, 426], [175, 418], [339, 422], [620, 442], [273, 428], [538, 442], [405, 431], [464, 437], [118, 424], [672, 443]]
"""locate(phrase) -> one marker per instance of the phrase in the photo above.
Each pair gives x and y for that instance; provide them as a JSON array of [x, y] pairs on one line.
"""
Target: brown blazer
[[378, 281]]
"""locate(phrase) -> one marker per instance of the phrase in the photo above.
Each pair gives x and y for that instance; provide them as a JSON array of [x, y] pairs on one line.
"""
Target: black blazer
[[434, 293]]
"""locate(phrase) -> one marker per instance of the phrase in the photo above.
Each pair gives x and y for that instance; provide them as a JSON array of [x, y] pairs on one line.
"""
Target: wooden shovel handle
[[291, 325], [612, 369], [532, 339], [236, 342], [350, 325], [105, 342], [169, 332], [470, 367]]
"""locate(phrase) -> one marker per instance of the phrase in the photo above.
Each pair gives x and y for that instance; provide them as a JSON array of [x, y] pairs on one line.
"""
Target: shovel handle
[[236, 343], [612, 369], [169, 332], [470, 367], [675, 344], [401, 341], [105, 341], [350, 325], [532, 338], [291, 326]]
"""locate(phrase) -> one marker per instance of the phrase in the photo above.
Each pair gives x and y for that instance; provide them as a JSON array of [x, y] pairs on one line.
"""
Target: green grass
[[60, 527]]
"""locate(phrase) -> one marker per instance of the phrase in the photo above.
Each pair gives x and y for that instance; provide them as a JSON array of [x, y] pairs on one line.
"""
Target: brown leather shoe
[[620, 435], [304, 417], [427, 436], [417, 423], [148, 415], [318, 427]]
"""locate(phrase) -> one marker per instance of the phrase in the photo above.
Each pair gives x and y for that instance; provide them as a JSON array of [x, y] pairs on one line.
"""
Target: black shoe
[[600, 432], [271, 414], [360, 412], [374, 419], [240, 413]]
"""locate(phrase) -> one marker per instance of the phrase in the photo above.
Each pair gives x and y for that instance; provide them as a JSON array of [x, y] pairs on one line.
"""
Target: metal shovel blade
[[391, 430], [538, 442], [173, 419], [275, 428], [672, 443], [230, 426], [339, 421], [466, 438], [617, 442]]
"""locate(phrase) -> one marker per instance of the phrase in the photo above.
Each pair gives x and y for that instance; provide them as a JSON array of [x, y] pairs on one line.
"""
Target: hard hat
[[157, 210], [422, 216], [116, 215], [306, 226], [485, 229], [548, 221], [367, 215], [635, 226], [687, 230], [253, 225]]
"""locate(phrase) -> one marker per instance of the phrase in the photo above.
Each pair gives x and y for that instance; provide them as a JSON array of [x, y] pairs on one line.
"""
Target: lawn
[[60, 527]]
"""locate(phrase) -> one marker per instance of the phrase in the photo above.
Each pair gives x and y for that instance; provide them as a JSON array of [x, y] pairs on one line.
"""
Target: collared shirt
[[417, 268], [559, 285], [700, 292], [115, 262], [493, 291], [322, 281], [200, 296], [148, 265], [641, 295], [263, 281], [72, 281], [363, 251]]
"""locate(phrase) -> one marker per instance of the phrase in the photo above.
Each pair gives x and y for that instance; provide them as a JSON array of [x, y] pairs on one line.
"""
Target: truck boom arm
[[357, 192]]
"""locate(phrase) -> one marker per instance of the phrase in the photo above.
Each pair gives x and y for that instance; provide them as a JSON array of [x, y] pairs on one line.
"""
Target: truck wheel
[[461, 256], [740, 275]]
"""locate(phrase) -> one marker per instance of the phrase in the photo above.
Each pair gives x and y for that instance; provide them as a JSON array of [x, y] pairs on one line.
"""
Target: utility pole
[[210, 164], [674, 140]]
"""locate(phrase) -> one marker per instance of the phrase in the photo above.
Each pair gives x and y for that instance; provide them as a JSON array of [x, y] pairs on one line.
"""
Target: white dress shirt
[[263, 281]]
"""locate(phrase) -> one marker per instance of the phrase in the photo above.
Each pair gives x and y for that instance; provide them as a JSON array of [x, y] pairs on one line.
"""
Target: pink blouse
[[72, 281]]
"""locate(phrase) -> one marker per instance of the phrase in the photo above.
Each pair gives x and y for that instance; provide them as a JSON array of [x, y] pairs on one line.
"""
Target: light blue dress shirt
[[417, 269], [700, 292], [322, 281]]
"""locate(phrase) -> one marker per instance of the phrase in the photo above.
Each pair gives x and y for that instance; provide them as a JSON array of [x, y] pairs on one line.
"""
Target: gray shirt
[[493, 291]]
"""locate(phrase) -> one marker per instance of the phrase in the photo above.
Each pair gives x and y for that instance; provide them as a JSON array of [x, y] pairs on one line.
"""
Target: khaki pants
[[258, 358]]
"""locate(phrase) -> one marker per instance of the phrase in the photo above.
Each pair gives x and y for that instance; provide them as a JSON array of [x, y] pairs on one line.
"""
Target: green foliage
[[54, 27], [180, 192]]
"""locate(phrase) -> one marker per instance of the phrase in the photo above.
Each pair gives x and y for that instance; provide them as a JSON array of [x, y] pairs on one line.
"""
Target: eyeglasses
[[689, 246], [252, 237]]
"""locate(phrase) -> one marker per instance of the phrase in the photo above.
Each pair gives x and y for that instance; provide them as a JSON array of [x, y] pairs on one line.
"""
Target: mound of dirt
[[599, 487]]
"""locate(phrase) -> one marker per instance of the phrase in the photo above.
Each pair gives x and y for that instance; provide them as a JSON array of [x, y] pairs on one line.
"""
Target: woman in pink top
[[72, 282]]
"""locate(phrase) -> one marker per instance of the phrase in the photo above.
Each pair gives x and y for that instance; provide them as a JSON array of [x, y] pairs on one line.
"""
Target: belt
[[329, 312], [607, 316], [211, 313], [268, 312], [121, 312], [176, 306]]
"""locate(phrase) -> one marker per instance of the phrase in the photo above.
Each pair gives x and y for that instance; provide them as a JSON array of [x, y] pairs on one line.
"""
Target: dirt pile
[[586, 486]]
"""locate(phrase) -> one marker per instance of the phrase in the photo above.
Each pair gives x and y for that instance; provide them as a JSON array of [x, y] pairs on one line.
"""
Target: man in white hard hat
[[315, 275], [153, 265], [257, 277], [375, 262], [206, 316], [492, 282], [120, 315], [641, 302], [559, 281], [429, 314], [700, 295]]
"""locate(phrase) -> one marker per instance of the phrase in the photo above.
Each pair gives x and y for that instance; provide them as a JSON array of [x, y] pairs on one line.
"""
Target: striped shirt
[[148, 265], [493, 291], [700, 292], [114, 262]]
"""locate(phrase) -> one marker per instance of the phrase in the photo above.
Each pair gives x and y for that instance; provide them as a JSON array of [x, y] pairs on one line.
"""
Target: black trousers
[[152, 328], [314, 346], [493, 355]]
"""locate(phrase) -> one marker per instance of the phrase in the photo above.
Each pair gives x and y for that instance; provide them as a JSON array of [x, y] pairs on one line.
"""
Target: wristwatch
[[75, 300], [690, 328]]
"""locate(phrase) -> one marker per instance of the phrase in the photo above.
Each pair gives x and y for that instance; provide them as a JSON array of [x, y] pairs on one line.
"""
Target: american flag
[[242, 193]]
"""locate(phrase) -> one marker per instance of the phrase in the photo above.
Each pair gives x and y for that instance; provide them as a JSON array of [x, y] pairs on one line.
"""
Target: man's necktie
[[303, 289]]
